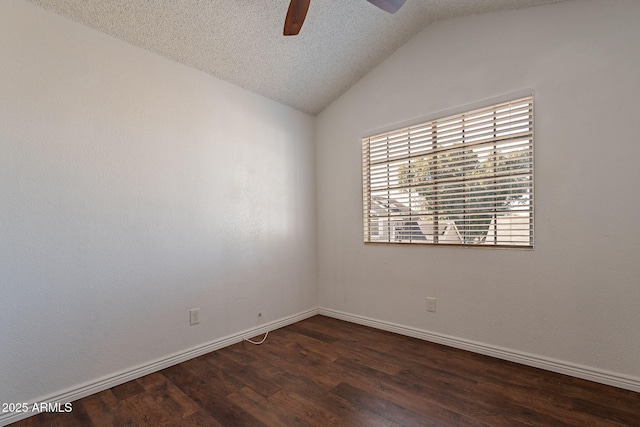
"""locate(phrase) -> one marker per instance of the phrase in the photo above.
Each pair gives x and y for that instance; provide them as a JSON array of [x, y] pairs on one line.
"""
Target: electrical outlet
[[431, 304], [194, 316]]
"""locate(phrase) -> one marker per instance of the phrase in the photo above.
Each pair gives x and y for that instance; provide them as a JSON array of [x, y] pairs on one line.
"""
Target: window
[[465, 179]]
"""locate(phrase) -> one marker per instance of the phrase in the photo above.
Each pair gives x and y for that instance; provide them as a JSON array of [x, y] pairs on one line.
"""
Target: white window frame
[[461, 178]]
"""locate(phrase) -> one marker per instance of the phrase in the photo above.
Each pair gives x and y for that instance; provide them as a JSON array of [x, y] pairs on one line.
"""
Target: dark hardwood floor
[[323, 371]]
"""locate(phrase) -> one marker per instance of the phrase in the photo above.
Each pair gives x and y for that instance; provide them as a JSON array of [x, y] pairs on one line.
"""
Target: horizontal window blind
[[463, 179]]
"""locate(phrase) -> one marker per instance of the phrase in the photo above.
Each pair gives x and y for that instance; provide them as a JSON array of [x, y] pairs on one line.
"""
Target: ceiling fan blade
[[295, 16], [390, 6]]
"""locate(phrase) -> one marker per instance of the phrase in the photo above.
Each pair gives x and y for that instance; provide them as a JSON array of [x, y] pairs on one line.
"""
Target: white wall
[[132, 189], [575, 298]]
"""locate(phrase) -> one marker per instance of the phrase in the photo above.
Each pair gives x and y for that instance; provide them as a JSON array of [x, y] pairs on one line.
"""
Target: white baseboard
[[104, 383], [558, 366]]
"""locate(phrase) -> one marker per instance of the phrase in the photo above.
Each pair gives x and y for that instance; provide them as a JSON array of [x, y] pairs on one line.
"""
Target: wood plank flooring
[[324, 372]]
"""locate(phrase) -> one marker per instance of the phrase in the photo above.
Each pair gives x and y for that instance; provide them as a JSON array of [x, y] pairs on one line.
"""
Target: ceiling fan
[[298, 11]]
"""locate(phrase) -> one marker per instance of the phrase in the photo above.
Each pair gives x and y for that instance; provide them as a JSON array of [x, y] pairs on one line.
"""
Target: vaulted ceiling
[[241, 41]]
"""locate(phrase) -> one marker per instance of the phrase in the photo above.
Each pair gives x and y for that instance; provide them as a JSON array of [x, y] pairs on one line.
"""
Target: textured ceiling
[[241, 41]]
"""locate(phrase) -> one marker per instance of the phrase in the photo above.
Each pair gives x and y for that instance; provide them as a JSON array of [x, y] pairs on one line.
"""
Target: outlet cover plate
[[194, 316], [431, 304]]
